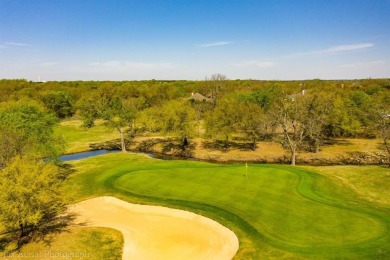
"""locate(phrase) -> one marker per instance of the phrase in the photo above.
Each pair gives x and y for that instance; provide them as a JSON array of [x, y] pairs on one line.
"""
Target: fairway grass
[[78, 138], [276, 211]]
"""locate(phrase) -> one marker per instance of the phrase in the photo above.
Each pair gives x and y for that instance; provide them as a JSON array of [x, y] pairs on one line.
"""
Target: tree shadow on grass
[[169, 147], [114, 144], [66, 170], [225, 146], [146, 146], [50, 226]]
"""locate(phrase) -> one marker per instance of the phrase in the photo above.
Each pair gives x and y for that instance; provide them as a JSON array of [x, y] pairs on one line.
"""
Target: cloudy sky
[[192, 39]]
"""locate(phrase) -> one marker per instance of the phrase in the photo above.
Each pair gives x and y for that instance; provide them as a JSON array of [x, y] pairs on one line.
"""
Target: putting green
[[276, 211]]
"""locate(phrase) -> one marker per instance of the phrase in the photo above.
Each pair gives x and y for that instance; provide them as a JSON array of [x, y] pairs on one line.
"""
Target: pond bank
[[342, 152]]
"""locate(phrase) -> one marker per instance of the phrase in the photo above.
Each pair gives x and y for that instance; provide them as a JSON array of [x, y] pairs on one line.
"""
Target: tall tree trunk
[[22, 230], [184, 143], [254, 144], [292, 145], [226, 145], [293, 155], [317, 145], [23, 234]]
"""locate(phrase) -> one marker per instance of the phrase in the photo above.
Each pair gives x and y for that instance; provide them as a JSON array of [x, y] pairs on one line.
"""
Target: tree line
[[300, 115]]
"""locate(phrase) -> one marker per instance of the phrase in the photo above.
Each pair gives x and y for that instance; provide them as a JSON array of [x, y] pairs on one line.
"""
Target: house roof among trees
[[199, 97]]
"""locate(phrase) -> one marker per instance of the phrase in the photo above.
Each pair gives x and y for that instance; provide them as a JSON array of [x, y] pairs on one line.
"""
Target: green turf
[[276, 212], [79, 138]]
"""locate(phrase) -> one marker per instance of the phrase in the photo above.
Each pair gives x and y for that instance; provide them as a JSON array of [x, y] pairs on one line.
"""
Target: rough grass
[[277, 211], [370, 183], [79, 138], [77, 243]]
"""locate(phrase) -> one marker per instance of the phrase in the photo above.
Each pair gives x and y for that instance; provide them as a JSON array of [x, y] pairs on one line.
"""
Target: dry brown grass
[[273, 152], [80, 139]]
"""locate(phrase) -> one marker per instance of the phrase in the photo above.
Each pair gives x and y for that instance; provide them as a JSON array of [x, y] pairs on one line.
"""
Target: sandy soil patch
[[153, 232]]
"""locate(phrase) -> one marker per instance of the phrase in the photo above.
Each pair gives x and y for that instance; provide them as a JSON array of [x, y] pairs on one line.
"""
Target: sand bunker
[[153, 232]]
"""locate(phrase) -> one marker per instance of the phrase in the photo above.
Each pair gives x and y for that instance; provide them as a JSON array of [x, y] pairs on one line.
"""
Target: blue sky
[[188, 39]]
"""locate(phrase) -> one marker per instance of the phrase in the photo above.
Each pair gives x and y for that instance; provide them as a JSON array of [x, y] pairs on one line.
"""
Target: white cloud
[[335, 49], [255, 63], [16, 44], [343, 48], [214, 44]]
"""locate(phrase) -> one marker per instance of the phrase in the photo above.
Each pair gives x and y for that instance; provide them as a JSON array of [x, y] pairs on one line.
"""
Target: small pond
[[83, 155]]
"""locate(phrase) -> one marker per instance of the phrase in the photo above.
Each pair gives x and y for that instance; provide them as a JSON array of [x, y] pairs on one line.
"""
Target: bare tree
[[381, 116], [290, 115], [217, 87]]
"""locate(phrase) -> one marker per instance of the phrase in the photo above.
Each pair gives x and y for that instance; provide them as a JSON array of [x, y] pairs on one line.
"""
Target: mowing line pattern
[[278, 211]]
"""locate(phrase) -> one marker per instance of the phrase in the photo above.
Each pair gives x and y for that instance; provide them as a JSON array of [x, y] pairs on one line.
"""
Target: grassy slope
[[76, 243], [369, 183], [278, 212], [78, 138]]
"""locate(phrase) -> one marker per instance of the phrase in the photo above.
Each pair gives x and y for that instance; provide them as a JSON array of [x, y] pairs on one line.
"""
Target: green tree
[[178, 119], [318, 107], [201, 108], [58, 102], [342, 120], [107, 104], [150, 119], [360, 106], [25, 128], [252, 122], [30, 194], [224, 120], [87, 108], [119, 114], [264, 97]]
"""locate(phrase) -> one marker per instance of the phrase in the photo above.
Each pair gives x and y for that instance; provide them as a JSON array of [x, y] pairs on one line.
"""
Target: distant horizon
[[90, 40], [166, 80]]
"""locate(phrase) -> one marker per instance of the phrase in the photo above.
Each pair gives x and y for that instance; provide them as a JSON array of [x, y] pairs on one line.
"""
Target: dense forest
[[300, 115]]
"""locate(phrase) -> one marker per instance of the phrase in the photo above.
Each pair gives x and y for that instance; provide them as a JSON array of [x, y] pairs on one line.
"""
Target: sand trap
[[153, 232]]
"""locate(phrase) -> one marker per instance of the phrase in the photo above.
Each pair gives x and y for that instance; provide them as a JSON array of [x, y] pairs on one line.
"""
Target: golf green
[[276, 211]]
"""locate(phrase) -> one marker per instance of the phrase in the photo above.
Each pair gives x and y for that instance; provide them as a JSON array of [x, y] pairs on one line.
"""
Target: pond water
[[83, 155]]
